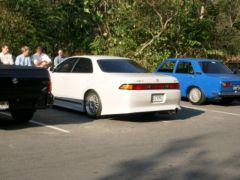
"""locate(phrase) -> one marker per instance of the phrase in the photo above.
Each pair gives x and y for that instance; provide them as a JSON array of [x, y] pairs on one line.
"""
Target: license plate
[[236, 88], [157, 98], [4, 105]]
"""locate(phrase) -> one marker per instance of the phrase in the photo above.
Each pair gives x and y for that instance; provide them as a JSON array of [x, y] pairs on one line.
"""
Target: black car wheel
[[93, 105], [22, 115]]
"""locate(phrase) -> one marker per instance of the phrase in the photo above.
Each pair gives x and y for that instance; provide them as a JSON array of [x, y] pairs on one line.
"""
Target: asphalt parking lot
[[200, 142]]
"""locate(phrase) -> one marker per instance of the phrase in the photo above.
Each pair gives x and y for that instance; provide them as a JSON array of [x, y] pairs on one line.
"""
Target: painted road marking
[[41, 124], [48, 126], [166, 121], [209, 110]]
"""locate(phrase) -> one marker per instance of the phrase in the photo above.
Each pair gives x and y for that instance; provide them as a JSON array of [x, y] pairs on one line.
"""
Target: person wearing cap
[[41, 59], [24, 58], [5, 56]]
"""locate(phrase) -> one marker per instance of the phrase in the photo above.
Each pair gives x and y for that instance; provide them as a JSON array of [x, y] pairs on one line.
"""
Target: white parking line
[[166, 121], [48, 126], [41, 124], [209, 110]]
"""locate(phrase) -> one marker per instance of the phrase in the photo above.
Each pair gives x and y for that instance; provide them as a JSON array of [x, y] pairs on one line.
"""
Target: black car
[[24, 90]]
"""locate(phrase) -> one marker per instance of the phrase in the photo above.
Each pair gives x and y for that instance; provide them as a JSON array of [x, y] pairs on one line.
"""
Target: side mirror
[[51, 69]]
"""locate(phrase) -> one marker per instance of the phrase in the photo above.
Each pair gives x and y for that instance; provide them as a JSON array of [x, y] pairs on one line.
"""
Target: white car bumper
[[126, 101]]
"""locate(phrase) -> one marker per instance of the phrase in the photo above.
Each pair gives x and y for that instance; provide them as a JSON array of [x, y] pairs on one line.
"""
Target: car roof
[[99, 57], [192, 59]]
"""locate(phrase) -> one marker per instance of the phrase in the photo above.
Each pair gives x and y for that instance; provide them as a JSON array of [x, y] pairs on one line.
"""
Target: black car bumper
[[229, 94], [42, 101]]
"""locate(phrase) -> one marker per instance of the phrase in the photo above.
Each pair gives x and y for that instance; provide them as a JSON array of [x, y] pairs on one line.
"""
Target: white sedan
[[106, 85]]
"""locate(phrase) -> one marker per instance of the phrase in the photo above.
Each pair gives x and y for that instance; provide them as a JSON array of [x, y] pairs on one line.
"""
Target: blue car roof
[[191, 59]]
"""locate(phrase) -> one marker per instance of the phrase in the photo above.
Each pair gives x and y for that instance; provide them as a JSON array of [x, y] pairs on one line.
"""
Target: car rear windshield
[[120, 66], [214, 67]]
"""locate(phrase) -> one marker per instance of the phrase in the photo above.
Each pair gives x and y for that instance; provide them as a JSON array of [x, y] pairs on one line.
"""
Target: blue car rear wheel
[[196, 96]]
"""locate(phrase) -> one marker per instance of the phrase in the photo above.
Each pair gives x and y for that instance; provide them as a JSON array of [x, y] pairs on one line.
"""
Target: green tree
[[66, 24], [147, 31]]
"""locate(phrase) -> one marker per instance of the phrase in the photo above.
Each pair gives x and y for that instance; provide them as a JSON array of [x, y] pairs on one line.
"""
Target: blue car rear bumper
[[227, 94]]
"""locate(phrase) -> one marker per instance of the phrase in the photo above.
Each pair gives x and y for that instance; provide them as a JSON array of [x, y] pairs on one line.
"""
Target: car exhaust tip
[[173, 112]]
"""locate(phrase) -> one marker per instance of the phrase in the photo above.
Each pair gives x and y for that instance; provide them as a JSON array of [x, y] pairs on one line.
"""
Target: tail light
[[226, 84], [49, 85], [149, 86]]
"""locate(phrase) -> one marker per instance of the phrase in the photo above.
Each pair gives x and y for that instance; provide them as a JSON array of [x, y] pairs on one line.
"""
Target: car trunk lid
[[144, 78]]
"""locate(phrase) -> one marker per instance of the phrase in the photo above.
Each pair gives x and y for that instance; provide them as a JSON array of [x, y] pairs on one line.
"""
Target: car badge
[[14, 80]]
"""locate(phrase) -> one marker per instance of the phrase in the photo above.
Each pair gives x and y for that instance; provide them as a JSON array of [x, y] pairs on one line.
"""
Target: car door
[[185, 74], [82, 74], [61, 78]]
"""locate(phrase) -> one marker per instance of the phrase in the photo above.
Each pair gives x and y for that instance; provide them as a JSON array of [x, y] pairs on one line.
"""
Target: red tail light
[[226, 84], [149, 86], [49, 85]]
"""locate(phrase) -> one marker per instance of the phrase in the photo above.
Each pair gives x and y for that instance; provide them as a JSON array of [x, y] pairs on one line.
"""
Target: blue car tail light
[[227, 84]]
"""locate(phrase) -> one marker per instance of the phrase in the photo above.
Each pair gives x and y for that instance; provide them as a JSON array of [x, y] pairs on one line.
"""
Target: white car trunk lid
[[143, 78]]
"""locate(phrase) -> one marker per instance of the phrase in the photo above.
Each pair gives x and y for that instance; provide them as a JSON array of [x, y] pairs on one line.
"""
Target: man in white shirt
[[41, 59], [5, 56]]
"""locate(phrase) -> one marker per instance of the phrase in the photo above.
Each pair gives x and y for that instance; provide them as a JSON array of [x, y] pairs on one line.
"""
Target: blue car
[[203, 79]]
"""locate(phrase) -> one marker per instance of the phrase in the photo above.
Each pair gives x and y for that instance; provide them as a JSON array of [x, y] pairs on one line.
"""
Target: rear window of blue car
[[214, 67], [120, 66]]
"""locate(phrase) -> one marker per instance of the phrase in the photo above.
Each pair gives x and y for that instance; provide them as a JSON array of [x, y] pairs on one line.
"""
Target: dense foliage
[[145, 30]]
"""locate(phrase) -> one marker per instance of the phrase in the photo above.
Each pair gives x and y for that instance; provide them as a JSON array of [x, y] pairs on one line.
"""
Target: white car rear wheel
[[93, 105], [196, 96]]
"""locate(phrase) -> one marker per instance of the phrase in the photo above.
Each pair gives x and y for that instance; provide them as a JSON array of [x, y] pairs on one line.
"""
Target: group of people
[[39, 59]]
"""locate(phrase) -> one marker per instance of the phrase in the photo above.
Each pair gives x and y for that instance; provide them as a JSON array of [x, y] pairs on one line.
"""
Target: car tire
[[93, 105], [196, 96], [22, 115], [226, 101]]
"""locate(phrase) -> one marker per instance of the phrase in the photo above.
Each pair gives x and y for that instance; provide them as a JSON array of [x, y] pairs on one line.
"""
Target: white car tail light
[[149, 86]]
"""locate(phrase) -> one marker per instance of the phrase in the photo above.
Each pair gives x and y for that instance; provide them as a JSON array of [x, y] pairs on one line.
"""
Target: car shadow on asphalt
[[62, 116], [182, 158], [52, 116], [217, 103], [7, 123], [183, 114]]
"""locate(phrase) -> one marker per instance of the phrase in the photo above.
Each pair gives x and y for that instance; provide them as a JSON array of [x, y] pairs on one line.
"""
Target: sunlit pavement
[[200, 142]]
